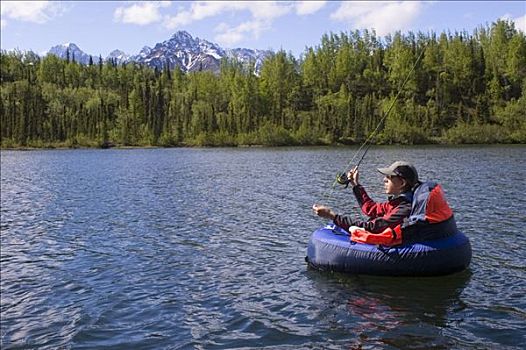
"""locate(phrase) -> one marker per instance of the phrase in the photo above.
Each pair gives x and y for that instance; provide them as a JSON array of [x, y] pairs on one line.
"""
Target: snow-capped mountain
[[119, 56], [145, 51], [75, 53], [249, 56], [181, 50]]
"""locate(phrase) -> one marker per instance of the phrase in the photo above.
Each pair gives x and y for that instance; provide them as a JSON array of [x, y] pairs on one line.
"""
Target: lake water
[[204, 249]]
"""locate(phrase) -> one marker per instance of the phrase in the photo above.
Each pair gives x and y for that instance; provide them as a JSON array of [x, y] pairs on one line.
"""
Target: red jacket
[[382, 215]]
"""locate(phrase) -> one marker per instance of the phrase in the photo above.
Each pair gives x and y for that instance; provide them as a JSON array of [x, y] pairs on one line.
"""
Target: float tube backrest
[[430, 218], [429, 204]]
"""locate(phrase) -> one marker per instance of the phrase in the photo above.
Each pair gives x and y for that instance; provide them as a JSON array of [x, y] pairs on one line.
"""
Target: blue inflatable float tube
[[330, 249]]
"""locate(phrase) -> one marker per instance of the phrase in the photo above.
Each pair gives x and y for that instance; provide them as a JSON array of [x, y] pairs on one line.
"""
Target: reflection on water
[[398, 312], [204, 249]]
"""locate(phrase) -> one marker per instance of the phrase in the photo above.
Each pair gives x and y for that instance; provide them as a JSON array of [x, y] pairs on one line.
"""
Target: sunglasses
[[391, 177]]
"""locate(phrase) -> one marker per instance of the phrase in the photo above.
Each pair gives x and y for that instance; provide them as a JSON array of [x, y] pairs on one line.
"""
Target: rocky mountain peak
[[71, 49], [180, 50], [182, 35]]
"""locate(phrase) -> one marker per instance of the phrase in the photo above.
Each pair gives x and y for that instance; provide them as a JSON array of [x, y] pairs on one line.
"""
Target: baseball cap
[[402, 169]]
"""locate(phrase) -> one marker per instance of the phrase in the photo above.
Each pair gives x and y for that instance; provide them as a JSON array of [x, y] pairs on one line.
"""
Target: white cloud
[[268, 10], [30, 11], [262, 14], [308, 7], [142, 13], [383, 16], [230, 36], [199, 10], [520, 23]]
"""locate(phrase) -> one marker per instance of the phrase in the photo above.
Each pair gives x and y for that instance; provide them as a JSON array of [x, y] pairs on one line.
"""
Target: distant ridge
[[181, 50], [75, 53]]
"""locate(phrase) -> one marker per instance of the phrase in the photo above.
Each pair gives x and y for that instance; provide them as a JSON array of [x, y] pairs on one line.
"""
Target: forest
[[461, 88]]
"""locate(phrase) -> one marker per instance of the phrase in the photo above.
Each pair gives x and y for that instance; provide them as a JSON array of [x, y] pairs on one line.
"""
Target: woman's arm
[[368, 206], [391, 219]]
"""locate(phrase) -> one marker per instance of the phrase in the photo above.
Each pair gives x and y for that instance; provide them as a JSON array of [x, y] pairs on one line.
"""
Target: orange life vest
[[428, 210], [389, 236]]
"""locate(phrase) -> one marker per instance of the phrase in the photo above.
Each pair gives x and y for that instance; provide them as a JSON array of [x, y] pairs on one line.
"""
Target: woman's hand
[[353, 176], [323, 211]]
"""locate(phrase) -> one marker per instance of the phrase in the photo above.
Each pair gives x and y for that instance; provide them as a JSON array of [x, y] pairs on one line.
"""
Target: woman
[[399, 180]]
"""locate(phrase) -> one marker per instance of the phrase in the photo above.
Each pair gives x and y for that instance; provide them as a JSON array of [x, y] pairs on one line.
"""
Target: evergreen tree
[[465, 88]]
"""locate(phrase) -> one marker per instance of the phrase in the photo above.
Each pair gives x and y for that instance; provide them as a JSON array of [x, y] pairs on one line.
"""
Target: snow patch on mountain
[[181, 50]]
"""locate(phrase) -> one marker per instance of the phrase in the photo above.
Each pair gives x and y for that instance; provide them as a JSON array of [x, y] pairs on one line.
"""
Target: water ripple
[[204, 248]]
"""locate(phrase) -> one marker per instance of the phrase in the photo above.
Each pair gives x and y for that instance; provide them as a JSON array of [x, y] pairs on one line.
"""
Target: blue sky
[[99, 27]]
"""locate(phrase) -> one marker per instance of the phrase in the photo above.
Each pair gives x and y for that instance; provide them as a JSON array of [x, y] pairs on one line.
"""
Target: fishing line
[[373, 133]]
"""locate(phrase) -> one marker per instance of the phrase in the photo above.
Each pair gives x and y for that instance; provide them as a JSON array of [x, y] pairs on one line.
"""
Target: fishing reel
[[342, 179]]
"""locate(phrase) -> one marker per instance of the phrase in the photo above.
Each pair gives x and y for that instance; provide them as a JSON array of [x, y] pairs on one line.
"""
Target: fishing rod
[[342, 178]]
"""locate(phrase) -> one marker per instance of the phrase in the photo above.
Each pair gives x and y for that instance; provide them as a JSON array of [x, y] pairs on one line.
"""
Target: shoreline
[[342, 145]]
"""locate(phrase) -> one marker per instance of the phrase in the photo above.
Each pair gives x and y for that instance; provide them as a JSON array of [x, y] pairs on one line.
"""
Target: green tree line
[[466, 88]]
